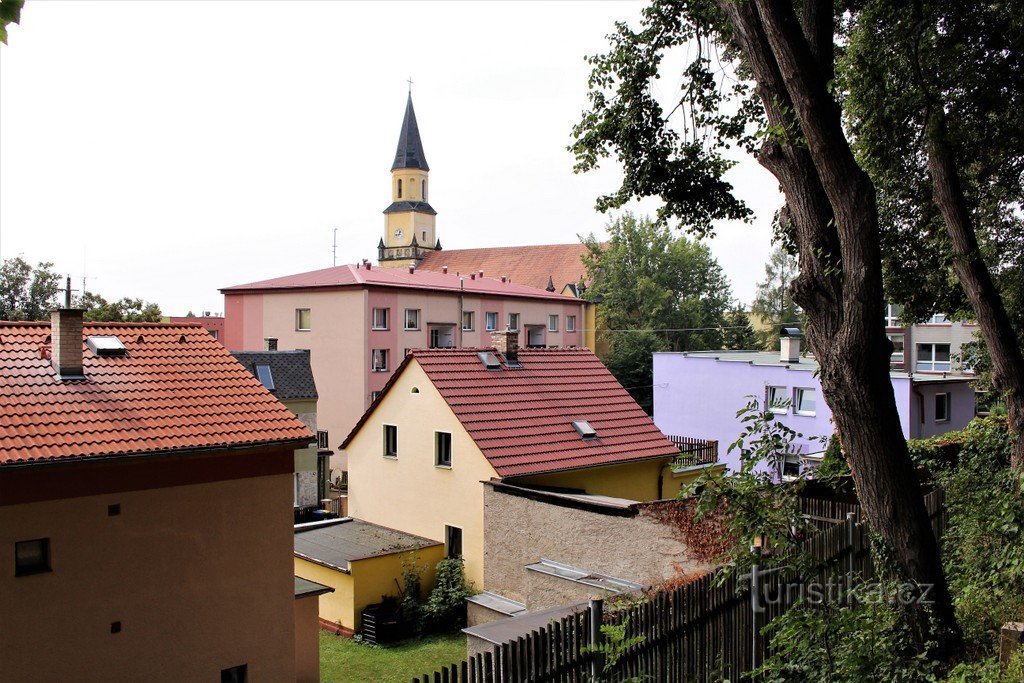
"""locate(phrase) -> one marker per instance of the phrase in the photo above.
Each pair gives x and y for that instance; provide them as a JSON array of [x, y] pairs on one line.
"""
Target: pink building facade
[[359, 321]]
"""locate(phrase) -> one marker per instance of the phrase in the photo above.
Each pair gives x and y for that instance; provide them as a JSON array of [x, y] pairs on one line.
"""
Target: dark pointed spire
[[551, 284], [410, 147]]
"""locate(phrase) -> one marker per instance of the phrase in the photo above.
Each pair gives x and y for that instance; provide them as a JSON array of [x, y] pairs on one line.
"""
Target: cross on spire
[[410, 84]]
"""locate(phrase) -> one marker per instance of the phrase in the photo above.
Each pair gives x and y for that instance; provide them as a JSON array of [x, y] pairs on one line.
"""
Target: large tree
[[126, 310], [659, 291], [774, 97], [773, 302], [27, 293], [935, 99]]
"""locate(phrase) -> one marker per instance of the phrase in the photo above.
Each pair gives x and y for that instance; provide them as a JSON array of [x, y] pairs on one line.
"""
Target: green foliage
[[658, 292], [410, 606], [737, 332], [833, 464], [27, 293], [446, 607], [126, 310], [10, 13], [754, 508], [773, 302], [613, 646], [843, 642]]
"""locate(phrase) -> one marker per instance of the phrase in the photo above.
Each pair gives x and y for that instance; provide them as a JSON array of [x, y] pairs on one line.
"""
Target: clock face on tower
[[398, 234]]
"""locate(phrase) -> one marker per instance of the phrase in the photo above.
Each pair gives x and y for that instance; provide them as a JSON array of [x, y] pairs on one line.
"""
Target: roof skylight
[[106, 345], [489, 360], [584, 429], [265, 376]]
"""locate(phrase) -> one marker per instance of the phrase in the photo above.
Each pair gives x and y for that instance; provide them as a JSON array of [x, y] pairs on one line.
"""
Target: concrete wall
[[198, 575], [962, 405], [307, 640], [520, 531], [410, 493], [305, 458]]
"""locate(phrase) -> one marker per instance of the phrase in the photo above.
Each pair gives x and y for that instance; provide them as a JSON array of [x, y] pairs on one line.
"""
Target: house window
[[32, 557], [776, 400], [897, 348], [412, 318], [942, 406], [933, 358], [491, 321], [442, 449], [390, 441], [442, 336], [213, 333], [374, 395], [236, 674], [380, 318], [513, 321], [379, 360], [570, 323], [804, 401], [892, 315], [552, 323], [790, 466], [535, 336], [399, 188], [302, 319], [938, 319], [468, 320], [265, 376], [452, 541]]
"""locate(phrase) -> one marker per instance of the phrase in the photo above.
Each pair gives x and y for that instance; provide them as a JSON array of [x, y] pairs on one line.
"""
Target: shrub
[[446, 608]]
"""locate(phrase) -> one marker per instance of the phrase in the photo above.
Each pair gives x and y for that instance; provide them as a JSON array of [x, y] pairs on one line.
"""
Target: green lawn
[[343, 659]]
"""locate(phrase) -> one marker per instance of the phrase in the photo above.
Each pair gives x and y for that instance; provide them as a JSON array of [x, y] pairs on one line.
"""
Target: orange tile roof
[[528, 265], [177, 389], [521, 418], [375, 276]]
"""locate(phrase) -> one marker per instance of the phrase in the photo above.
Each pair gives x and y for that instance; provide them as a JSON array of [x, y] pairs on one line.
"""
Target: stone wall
[[522, 527]]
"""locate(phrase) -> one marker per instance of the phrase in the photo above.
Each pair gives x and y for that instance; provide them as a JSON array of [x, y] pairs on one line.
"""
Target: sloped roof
[[292, 373], [375, 276], [349, 540], [410, 148], [529, 265], [177, 389], [521, 418]]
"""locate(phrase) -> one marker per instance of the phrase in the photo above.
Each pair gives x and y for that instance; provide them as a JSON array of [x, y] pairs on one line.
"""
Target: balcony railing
[[693, 452]]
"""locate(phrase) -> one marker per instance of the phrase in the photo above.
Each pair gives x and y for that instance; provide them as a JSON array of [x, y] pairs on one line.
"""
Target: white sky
[[166, 149]]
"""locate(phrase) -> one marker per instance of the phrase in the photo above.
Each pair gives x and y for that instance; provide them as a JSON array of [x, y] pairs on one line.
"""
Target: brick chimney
[[507, 344], [270, 343], [66, 342]]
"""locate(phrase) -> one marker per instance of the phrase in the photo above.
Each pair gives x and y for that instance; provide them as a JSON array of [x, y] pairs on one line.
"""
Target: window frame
[[892, 315], [508, 322], [373, 360], [948, 396], [268, 381], [798, 393], [387, 319], [437, 450], [452, 532], [472, 321], [570, 323], [406, 320], [902, 339], [298, 319], [44, 566], [490, 316], [931, 364], [390, 430], [553, 322], [781, 397]]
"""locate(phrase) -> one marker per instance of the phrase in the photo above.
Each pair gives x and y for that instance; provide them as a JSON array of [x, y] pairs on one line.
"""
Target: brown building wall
[[307, 639], [519, 531], [198, 575]]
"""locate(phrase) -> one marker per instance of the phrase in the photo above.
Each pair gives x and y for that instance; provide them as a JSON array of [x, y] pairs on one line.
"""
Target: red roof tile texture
[[177, 389], [521, 418], [529, 265], [375, 276]]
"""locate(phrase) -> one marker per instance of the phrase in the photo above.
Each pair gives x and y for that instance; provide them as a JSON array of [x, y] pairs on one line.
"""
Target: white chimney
[[270, 343], [789, 344]]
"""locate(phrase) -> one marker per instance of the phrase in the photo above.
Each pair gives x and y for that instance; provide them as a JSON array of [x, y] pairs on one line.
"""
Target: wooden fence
[[695, 451], [707, 630]]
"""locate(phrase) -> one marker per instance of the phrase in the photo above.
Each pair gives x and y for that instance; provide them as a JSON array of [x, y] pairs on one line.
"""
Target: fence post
[[755, 605], [596, 657], [851, 528]]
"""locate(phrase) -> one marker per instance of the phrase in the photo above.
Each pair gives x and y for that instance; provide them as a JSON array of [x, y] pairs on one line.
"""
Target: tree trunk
[[970, 268], [832, 205]]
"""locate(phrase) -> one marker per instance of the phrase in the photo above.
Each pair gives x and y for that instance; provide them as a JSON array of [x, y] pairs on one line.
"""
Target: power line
[[685, 329]]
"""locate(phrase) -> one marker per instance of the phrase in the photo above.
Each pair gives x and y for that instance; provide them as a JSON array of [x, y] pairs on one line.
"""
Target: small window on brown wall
[[32, 557]]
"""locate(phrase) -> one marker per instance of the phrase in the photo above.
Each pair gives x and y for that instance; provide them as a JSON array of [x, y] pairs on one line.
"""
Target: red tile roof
[[177, 389], [521, 418], [529, 265], [359, 276]]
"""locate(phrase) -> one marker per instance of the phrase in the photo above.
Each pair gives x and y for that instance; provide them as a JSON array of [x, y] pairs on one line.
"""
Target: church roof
[[410, 147], [407, 205], [533, 266]]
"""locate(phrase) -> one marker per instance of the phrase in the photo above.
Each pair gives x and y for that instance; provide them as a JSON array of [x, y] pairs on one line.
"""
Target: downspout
[[458, 322]]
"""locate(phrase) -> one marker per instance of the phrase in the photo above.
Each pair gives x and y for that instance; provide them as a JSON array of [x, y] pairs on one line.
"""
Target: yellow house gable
[[409, 490]]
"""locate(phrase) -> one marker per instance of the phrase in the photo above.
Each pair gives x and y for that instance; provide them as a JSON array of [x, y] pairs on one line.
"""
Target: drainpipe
[[458, 321]]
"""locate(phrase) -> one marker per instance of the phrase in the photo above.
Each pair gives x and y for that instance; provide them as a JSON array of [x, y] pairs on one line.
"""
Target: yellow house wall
[[198, 576], [409, 492], [367, 582], [634, 481]]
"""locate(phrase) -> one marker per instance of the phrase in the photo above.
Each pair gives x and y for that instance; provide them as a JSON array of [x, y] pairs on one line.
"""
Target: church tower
[[409, 220]]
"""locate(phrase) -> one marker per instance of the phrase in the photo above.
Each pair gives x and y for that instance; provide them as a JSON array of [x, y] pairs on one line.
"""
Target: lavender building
[[697, 394]]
